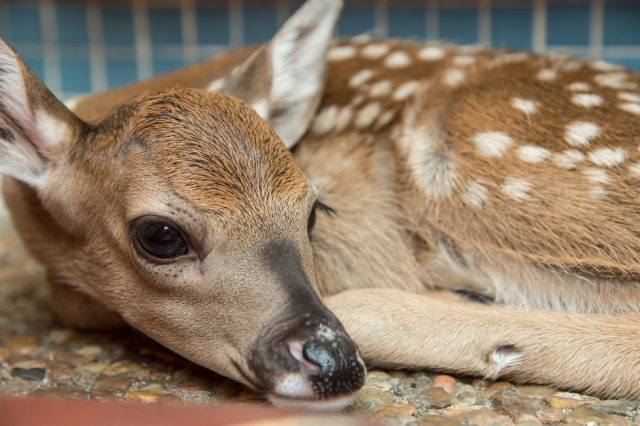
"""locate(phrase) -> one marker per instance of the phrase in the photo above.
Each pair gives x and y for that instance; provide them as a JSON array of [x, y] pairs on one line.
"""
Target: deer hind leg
[[597, 353]]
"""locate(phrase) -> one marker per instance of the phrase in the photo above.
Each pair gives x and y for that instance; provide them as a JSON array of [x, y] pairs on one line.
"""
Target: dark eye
[[312, 220], [160, 239]]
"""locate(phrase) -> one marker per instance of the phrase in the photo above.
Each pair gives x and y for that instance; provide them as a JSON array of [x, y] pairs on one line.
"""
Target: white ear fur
[[284, 79], [28, 131]]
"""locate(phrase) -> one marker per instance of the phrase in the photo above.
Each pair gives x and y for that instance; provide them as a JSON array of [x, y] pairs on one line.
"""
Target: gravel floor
[[38, 356]]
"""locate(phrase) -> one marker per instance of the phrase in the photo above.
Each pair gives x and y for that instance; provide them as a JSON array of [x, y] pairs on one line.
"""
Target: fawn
[[416, 172]]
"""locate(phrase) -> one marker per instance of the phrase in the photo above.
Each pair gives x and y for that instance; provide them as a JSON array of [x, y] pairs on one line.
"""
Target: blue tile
[[72, 24], [407, 22], [630, 63], [25, 23], [75, 73], [164, 65], [511, 27], [121, 71], [118, 26], [260, 23], [213, 26], [36, 64], [459, 25], [356, 20], [622, 23], [568, 24], [165, 26]]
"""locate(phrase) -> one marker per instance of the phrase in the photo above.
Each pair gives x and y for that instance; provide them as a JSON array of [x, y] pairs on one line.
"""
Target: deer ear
[[34, 125], [284, 79]]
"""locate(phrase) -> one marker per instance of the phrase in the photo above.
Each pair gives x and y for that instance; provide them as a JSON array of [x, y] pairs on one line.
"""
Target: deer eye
[[312, 221], [160, 239]]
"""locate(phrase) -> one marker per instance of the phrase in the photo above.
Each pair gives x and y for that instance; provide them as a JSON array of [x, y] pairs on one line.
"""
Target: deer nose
[[339, 367]]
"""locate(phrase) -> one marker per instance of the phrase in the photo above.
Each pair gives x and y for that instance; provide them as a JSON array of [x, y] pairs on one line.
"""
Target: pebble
[[117, 384], [512, 408], [69, 392], [409, 410], [445, 382], [22, 345], [392, 418], [436, 420], [468, 397], [569, 400], [437, 397], [378, 383], [623, 408], [533, 391], [482, 383], [94, 367], [33, 374], [528, 419], [146, 396], [373, 396], [491, 392], [121, 369], [484, 419], [463, 412], [588, 416], [554, 415]]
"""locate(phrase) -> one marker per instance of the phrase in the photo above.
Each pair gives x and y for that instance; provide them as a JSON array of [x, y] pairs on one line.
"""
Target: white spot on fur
[[579, 86], [367, 115], [626, 96], [360, 78], [54, 130], [569, 158], [525, 105], [344, 118], [375, 50], [580, 133], [533, 154], [615, 80], [431, 53], [587, 100], [596, 176], [630, 107], [476, 193], [405, 90], [357, 100], [503, 358], [516, 188], [385, 119], [340, 53], [603, 66], [381, 88], [492, 144], [361, 39], [216, 84], [547, 75], [397, 60], [464, 60], [607, 157], [453, 77], [635, 169], [72, 103], [325, 121]]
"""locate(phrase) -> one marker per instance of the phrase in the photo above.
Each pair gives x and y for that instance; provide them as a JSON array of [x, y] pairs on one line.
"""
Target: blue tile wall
[[118, 26], [76, 74], [622, 23], [568, 24], [407, 22], [72, 24], [25, 23], [121, 71], [259, 24], [356, 20], [511, 27], [165, 26], [213, 26], [458, 25]]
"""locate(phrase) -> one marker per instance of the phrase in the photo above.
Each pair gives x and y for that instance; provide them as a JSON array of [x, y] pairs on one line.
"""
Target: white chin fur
[[325, 404]]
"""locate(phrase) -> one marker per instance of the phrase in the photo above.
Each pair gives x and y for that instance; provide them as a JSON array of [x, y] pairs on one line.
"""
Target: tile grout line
[[484, 22], [539, 27], [189, 22], [596, 29], [236, 23], [381, 18], [97, 51], [432, 21], [283, 9], [142, 39], [50, 51]]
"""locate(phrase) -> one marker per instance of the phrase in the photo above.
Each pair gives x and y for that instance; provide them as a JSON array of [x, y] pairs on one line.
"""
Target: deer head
[[183, 213]]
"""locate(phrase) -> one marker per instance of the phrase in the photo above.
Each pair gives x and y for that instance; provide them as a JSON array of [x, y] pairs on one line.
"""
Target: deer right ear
[[284, 79], [34, 125]]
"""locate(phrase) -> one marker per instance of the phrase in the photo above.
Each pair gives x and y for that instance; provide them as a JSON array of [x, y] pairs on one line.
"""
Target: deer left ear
[[284, 80]]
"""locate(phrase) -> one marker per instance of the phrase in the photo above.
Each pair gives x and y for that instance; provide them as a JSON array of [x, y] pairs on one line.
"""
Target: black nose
[[341, 370]]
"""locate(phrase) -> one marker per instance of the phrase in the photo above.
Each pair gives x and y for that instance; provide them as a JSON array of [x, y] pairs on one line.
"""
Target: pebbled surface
[[39, 356]]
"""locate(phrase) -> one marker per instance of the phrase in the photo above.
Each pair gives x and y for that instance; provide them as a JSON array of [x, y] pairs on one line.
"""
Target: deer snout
[[322, 369]]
